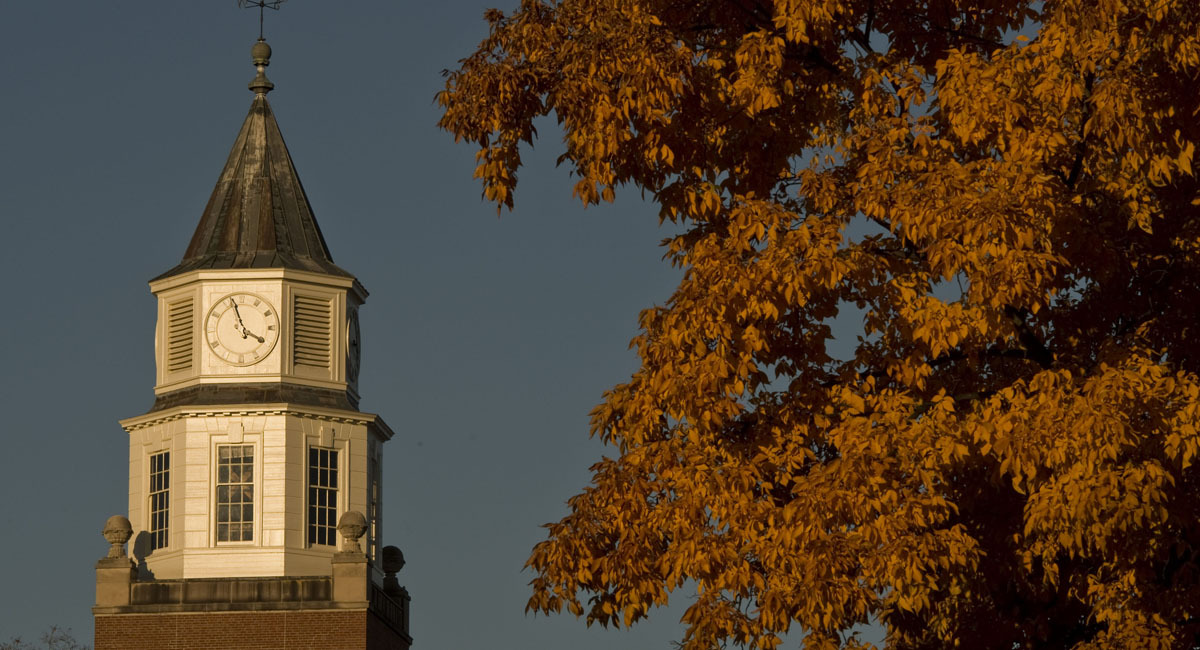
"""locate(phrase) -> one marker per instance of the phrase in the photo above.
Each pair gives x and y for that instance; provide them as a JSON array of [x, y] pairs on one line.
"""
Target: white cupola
[[254, 446]]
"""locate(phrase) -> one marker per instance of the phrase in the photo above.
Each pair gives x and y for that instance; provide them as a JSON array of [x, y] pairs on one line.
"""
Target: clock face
[[242, 328], [353, 347]]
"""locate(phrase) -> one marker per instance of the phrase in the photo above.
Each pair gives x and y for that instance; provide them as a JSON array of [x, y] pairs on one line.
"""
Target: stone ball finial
[[261, 53], [393, 560], [117, 531], [352, 526]]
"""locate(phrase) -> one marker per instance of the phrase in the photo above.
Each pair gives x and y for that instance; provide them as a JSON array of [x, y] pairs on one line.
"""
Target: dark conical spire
[[258, 215]]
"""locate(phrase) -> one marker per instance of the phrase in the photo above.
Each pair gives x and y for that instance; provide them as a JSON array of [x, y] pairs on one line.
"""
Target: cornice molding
[[283, 408], [160, 285]]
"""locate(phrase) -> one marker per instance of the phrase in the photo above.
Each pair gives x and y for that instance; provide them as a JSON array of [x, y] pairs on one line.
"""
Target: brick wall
[[381, 637], [272, 630]]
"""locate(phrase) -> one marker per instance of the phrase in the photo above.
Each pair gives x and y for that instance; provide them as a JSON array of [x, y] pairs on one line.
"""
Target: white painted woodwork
[[281, 436], [280, 287]]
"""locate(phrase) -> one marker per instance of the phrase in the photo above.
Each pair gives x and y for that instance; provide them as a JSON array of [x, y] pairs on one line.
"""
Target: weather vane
[[261, 4]]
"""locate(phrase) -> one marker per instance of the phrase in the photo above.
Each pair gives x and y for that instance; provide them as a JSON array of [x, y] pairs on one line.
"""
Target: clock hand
[[238, 314], [246, 332], [241, 325]]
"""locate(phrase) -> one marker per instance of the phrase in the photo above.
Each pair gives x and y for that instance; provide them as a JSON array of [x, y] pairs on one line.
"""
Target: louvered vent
[[179, 335], [310, 332]]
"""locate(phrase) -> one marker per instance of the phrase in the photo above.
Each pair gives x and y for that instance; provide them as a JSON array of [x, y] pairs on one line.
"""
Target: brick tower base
[[251, 630], [344, 611]]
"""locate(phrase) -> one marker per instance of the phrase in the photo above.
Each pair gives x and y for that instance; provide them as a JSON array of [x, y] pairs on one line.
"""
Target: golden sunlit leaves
[[1002, 193]]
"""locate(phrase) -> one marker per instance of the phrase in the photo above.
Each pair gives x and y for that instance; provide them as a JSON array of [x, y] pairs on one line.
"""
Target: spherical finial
[[260, 53], [352, 526], [117, 531], [393, 560]]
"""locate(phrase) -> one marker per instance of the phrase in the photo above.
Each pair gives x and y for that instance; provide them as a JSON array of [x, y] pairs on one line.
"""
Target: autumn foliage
[[933, 360]]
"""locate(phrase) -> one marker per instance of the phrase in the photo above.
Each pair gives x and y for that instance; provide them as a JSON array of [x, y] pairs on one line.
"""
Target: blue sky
[[486, 340]]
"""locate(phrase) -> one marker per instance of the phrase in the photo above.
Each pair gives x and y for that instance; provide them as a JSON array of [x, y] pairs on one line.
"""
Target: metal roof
[[258, 215]]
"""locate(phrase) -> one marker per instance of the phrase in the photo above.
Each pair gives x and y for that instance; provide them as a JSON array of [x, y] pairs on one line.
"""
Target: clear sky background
[[486, 340]]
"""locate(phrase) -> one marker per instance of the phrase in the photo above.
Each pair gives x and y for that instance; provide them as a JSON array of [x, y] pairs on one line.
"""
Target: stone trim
[[208, 595], [330, 415], [227, 594]]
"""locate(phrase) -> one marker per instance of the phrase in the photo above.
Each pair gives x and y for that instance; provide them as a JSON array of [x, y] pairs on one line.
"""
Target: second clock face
[[242, 328], [353, 347]]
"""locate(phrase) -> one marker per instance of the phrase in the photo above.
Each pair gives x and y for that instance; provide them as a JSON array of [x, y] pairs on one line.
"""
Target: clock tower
[[254, 480]]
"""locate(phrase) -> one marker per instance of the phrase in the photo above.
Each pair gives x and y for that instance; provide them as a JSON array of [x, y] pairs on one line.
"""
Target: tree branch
[[1077, 166], [1034, 347]]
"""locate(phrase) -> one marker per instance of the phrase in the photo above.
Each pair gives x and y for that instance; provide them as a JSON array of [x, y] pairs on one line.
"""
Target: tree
[[53, 639], [1003, 190]]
